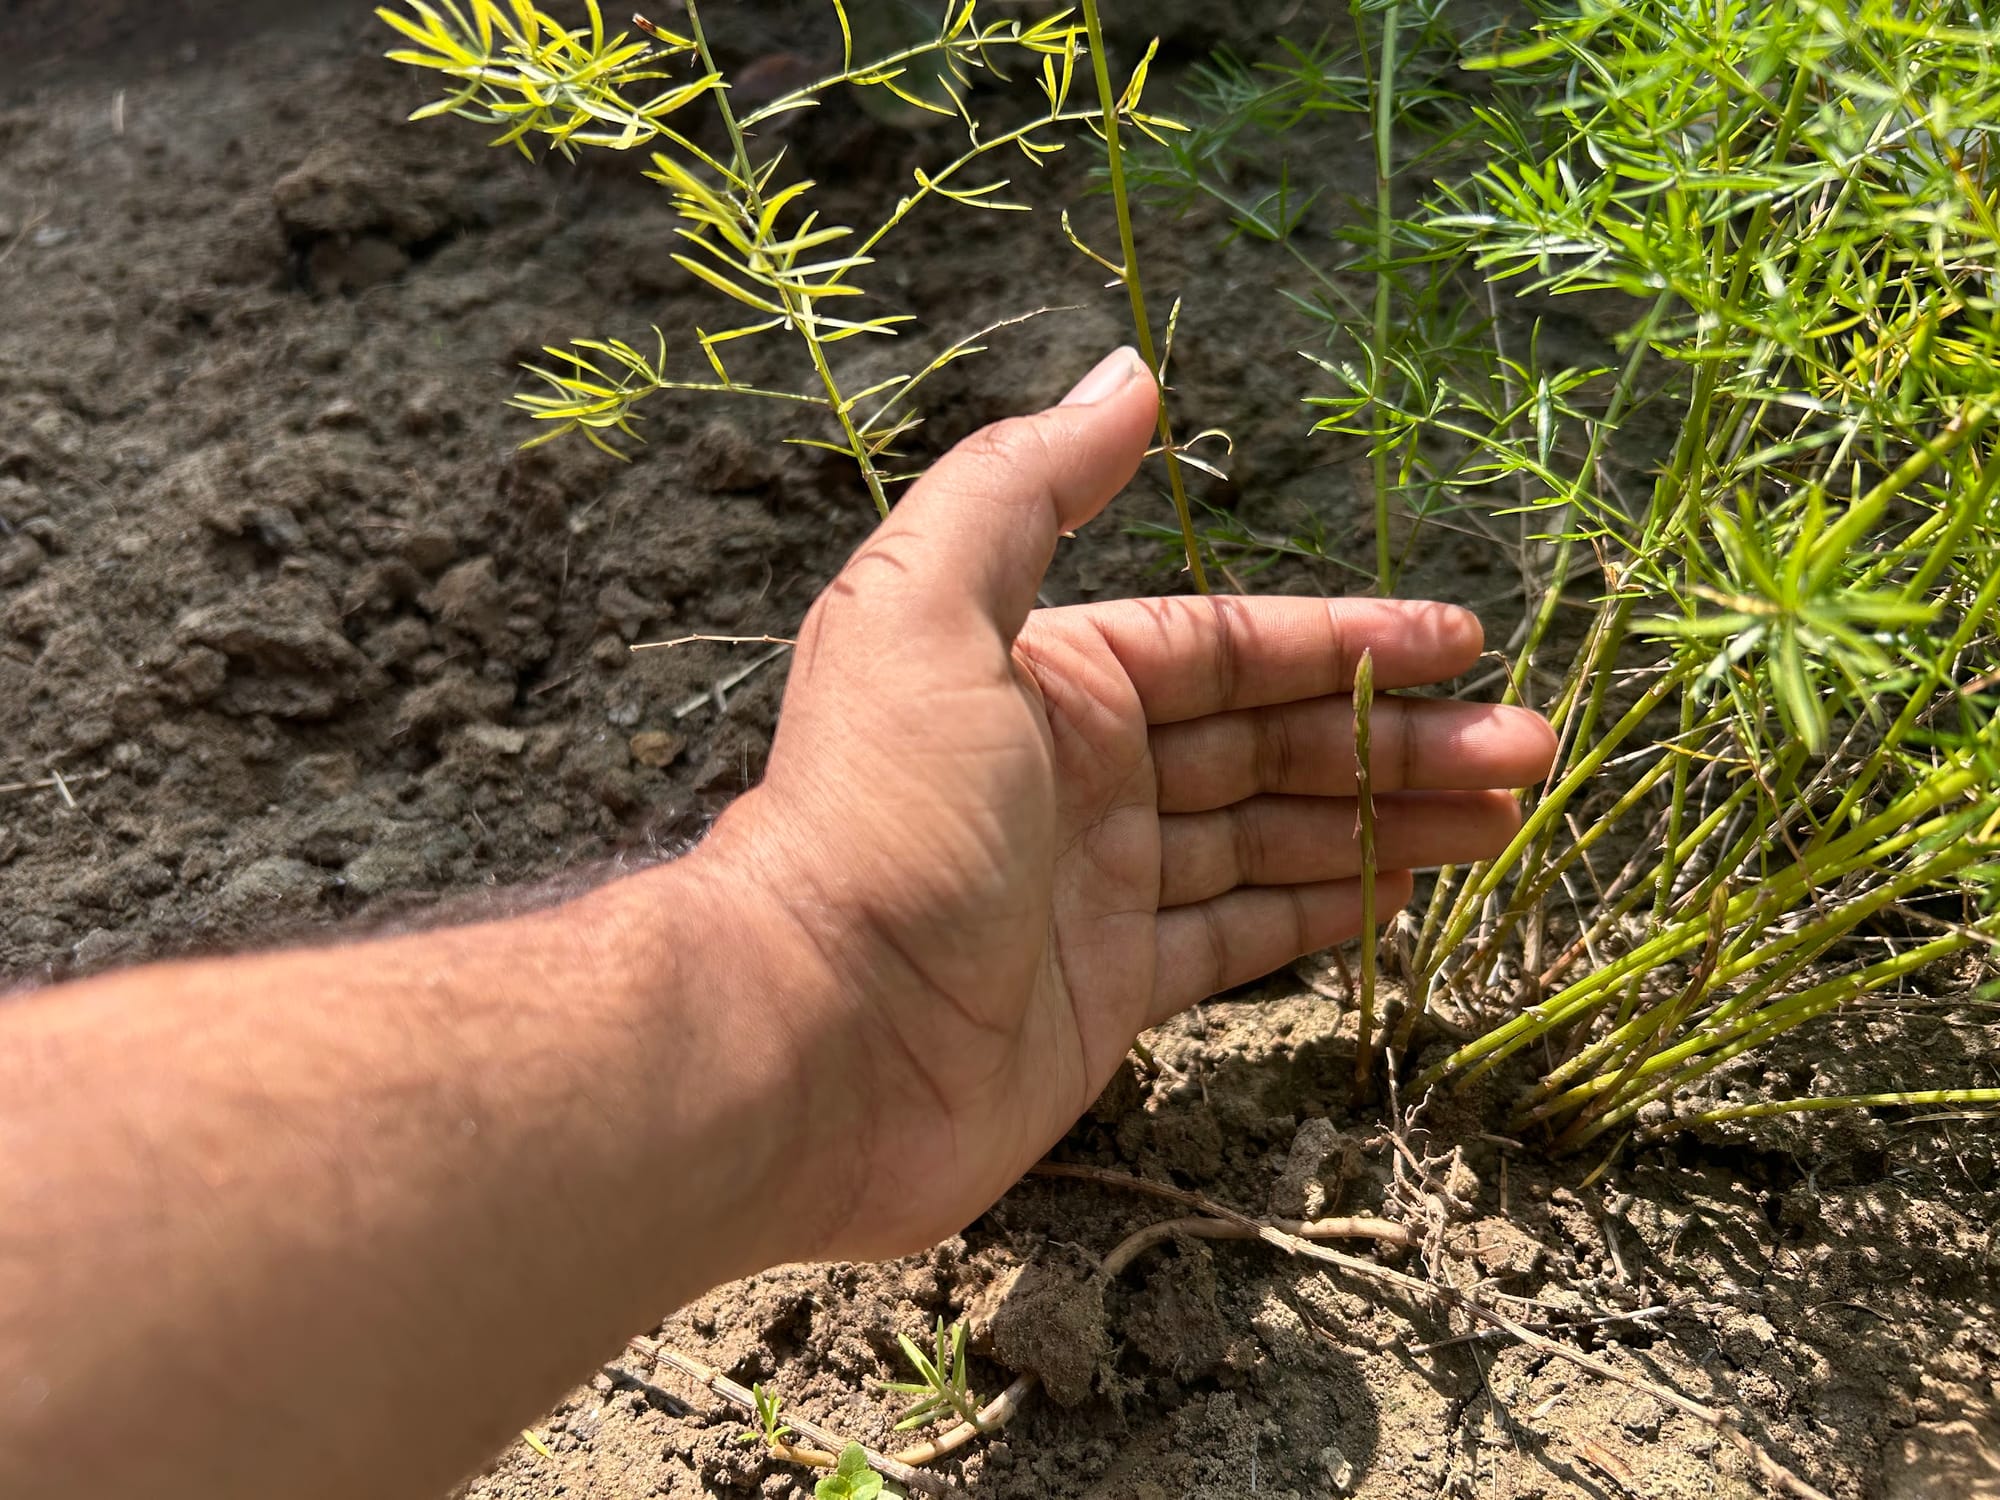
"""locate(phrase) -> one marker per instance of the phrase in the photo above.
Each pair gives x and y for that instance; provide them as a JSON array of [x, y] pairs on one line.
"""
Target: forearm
[[353, 1215]]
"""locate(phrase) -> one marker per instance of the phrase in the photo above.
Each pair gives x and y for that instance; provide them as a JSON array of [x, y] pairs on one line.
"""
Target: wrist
[[724, 989]]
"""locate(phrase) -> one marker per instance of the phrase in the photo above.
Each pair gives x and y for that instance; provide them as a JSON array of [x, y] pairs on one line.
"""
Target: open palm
[[1014, 838]]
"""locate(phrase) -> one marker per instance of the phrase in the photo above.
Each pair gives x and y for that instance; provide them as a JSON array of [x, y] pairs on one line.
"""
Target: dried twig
[[53, 783], [719, 640], [34, 221], [995, 1413], [1606, 1320], [1139, 1241], [714, 1380], [1279, 1232], [714, 695]]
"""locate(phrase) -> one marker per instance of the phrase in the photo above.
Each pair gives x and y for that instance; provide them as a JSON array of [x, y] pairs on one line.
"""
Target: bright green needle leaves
[[1796, 622], [1799, 204], [940, 1388], [771, 1429], [1763, 615]]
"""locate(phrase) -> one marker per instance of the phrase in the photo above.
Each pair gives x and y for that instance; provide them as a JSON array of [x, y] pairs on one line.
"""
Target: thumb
[[980, 527]]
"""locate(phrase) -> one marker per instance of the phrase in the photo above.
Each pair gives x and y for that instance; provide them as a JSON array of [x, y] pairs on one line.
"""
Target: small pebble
[[20, 559], [657, 747]]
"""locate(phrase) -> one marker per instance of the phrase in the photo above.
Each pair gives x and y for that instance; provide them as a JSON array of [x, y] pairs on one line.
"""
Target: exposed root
[[995, 1413], [56, 782], [1225, 1223], [1279, 1232]]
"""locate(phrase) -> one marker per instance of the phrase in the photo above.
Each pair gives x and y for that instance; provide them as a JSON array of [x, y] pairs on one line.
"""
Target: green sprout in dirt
[[745, 224], [1768, 647], [851, 1478], [771, 1431], [775, 1436], [941, 1389]]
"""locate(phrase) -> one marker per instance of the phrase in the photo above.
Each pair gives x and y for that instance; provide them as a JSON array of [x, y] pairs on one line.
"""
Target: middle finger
[[1307, 749]]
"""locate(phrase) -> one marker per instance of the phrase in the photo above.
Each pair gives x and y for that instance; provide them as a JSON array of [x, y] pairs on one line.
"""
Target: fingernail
[[1468, 625], [1108, 377]]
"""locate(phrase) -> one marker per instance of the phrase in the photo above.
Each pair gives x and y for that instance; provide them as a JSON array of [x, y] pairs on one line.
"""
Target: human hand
[[1001, 841]]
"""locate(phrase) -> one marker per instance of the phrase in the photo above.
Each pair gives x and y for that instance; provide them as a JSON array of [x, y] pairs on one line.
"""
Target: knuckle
[[1302, 923], [1275, 754], [1339, 645], [1247, 845], [1220, 958], [1225, 643], [1006, 447]]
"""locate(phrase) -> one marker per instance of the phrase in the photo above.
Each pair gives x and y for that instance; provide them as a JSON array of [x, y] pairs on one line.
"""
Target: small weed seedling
[[770, 1430], [940, 1388], [851, 1478]]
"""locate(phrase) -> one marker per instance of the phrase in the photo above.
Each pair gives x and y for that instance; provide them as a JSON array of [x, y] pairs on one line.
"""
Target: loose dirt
[[292, 638]]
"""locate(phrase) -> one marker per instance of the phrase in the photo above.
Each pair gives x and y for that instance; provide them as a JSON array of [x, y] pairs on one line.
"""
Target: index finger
[[1194, 655]]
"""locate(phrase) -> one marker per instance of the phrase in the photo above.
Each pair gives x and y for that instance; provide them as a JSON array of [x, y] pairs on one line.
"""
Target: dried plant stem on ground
[[899, 1466], [716, 695], [713, 640], [1215, 1222], [52, 783], [1278, 1232], [995, 1413], [737, 1395]]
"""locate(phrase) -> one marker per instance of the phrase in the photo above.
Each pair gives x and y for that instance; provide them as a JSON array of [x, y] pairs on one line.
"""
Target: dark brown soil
[[307, 643]]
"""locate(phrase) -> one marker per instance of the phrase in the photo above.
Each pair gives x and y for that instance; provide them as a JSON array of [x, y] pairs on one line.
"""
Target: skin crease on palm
[[993, 844]]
